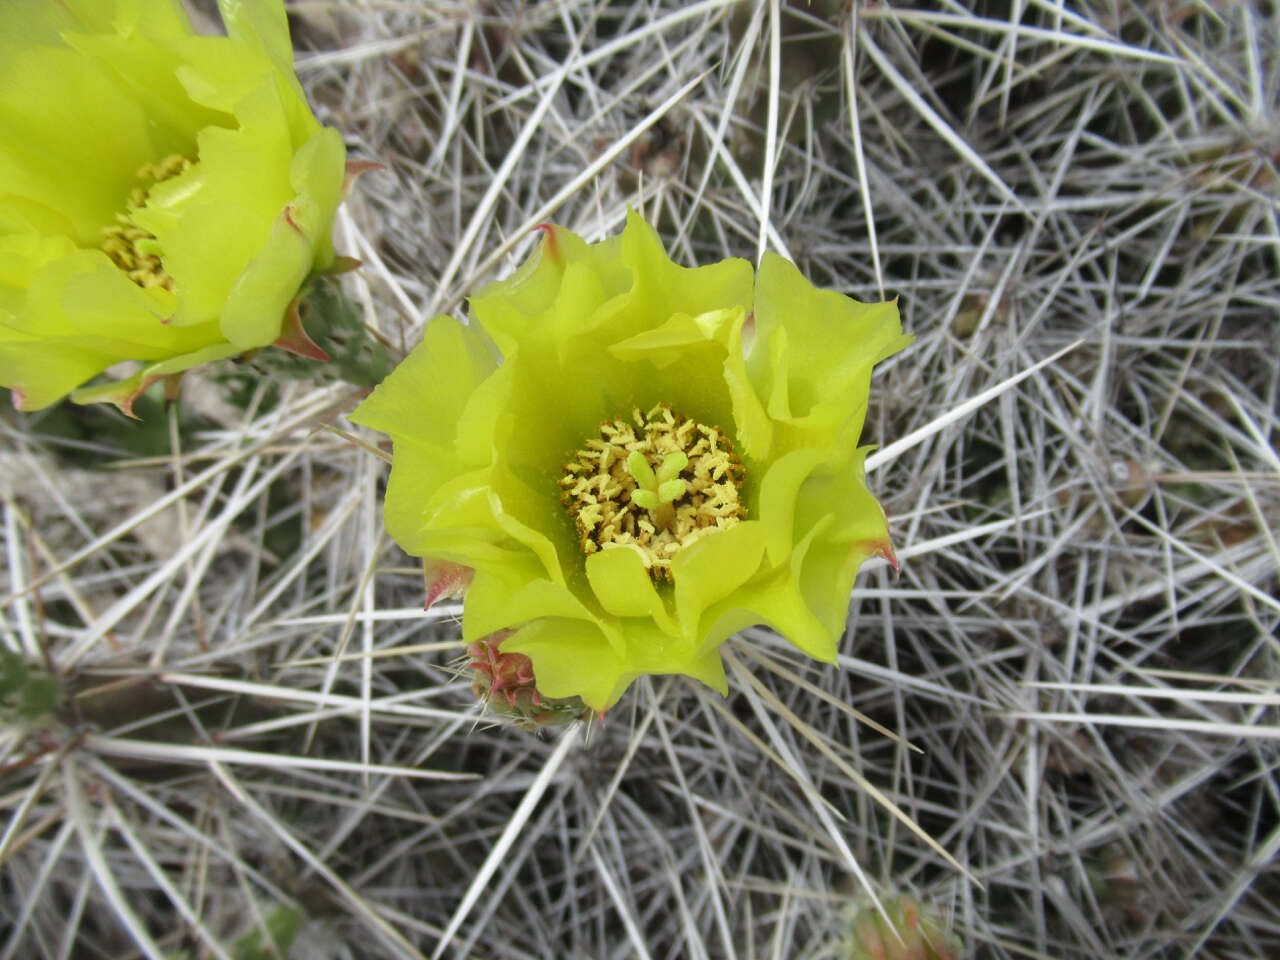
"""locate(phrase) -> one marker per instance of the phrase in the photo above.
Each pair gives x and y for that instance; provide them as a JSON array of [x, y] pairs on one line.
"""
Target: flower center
[[131, 248], [656, 483]]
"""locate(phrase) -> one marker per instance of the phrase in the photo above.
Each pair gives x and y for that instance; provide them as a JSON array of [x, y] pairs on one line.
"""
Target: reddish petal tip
[[124, 403], [356, 168], [551, 241], [445, 580], [124, 398], [293, 338], [885, 550]]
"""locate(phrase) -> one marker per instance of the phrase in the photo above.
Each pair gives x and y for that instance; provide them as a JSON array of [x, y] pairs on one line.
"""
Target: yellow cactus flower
[[625, 481], [163, 195]]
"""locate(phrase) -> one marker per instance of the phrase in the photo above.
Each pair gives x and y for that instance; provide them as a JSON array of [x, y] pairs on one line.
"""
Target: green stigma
[[656, 492]]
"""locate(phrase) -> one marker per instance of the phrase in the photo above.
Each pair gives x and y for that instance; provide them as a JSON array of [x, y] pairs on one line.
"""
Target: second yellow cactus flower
[[163, 195]]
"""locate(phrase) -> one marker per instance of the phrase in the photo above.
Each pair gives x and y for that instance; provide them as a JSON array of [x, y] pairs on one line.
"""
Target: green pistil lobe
[[656, 492]]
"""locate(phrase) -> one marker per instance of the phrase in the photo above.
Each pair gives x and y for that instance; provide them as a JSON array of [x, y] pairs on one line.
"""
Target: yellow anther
[[135, 251], [656, 484]]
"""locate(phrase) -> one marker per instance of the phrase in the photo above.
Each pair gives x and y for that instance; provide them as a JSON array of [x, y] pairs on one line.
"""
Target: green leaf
[[282, 926], [29, 694]]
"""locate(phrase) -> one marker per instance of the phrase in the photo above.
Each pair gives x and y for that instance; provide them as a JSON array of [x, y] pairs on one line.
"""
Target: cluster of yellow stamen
[[132, 249], [655, 484]]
